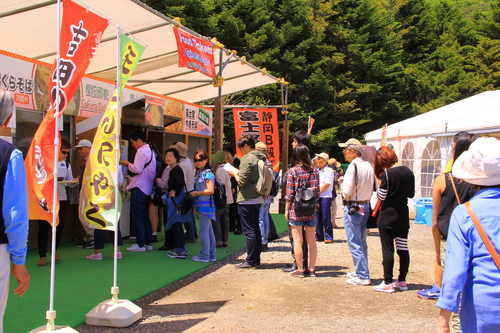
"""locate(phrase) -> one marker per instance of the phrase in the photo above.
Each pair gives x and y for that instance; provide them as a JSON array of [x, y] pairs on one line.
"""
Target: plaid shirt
[[295, 176]]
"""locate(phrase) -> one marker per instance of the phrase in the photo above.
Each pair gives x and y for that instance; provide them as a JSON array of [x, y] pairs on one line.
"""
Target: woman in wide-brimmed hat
[[471, 279]]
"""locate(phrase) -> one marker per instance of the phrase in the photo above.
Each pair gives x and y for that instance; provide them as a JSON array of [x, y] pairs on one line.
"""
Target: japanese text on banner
[[81, 33], [262, 124], [100, 180]]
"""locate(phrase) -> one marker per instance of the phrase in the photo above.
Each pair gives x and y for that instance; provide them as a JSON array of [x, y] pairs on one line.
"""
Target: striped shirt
[[294, 177]]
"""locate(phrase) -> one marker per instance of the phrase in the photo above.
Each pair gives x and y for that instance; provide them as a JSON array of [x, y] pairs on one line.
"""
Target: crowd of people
[[465, 222]]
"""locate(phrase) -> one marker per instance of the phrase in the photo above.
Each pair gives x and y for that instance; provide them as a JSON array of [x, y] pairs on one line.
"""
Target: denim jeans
[[324, 228], [249, 216], [207, 237], [355, 229], [264, 220], [139, 213], [190, 226]]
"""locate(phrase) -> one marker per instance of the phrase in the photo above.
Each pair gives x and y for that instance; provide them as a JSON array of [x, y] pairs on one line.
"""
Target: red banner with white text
[[195, 53], [81, 33], [262, 124]]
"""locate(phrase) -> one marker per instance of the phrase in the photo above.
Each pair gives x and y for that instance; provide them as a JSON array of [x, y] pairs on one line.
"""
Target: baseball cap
[[323, 156], [219, 157], [83, 143], [261, 146], [353, 144]]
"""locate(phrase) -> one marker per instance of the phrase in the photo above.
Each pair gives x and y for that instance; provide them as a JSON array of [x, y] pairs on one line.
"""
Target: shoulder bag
[[484, 237]]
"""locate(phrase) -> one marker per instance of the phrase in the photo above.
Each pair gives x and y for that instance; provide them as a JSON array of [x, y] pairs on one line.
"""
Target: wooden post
[[284, 164], [218, 124]]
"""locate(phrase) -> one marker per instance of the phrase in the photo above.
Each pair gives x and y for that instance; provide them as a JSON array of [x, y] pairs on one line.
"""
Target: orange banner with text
[[262, 124]]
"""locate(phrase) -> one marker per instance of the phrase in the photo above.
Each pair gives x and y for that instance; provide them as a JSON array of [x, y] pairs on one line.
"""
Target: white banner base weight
[[112, 314], [59, 329]]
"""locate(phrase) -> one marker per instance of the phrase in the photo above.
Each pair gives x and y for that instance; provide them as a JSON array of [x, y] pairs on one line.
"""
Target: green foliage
[[354, 65]]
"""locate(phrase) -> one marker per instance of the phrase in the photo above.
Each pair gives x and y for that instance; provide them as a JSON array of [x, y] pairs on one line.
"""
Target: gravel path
[[225, 299]]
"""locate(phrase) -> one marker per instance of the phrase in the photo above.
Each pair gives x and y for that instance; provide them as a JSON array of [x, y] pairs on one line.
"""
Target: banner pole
[[116, 312], [51, 314], [115, 289]]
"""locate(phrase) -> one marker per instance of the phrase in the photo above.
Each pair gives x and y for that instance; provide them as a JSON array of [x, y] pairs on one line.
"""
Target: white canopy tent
[[30, 29], [423, 142]]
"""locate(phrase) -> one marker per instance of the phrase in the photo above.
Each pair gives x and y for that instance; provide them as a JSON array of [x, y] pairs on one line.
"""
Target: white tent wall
[[423, 142]]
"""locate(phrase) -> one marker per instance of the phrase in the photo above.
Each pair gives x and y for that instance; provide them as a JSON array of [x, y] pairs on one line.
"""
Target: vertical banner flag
[[81, 33], [100, 180], [195, 53], [383, 141], [310, 123], [262, 124]]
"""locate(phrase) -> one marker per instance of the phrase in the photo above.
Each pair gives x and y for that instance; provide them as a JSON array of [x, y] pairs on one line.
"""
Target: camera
[[353, 208]]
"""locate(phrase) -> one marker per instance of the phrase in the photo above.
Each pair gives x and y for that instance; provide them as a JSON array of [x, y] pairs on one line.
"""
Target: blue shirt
[[469, 268], [204, 204], [15, 208]]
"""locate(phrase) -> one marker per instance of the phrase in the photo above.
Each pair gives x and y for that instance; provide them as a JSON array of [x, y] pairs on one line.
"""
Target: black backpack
[[219, 195], [305, 201], [275, 185]]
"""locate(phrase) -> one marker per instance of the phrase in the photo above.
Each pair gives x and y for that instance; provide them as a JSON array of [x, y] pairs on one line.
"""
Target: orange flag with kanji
[[81, 33]]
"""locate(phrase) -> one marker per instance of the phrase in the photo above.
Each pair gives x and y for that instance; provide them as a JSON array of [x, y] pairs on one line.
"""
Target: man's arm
[[15, 213]]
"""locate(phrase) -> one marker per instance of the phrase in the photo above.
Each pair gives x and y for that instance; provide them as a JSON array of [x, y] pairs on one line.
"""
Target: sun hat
[[480, 165], [181, 148], [83, 143], [333, 163], [323, 156], [219, 157], [353, 144], [261, 146]]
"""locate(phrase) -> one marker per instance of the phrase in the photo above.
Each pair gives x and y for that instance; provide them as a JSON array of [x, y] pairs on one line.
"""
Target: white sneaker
[[351, 275], [401, 285], [149, 247], [359, 281], [383, 287], [136, 248]]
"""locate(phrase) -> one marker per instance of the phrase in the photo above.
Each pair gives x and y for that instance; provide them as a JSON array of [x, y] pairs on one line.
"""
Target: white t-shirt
[[225, 178], [326, 176], [63, 171]]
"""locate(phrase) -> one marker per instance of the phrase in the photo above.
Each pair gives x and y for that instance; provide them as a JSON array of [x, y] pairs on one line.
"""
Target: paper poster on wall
[[197, 120], [154, 111], [262, 124]]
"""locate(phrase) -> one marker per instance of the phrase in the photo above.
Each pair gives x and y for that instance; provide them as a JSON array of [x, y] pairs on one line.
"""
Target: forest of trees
[[354, 65]]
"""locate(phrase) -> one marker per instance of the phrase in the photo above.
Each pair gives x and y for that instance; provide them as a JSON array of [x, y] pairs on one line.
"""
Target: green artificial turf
[[81, 284]]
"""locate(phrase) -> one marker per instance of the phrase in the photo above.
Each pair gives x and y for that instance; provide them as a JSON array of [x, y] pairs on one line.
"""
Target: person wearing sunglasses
[[204, 205], [64, 174]]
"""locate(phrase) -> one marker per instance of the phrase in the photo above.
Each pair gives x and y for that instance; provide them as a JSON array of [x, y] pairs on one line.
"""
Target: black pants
[[234, 218], [44, 227], [249, 216], [388, 237]]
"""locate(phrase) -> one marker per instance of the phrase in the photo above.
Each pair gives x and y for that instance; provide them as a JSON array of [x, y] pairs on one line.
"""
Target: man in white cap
[[324, 227], [471, 278], [187, 167], [357, 189], [83, 149]]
